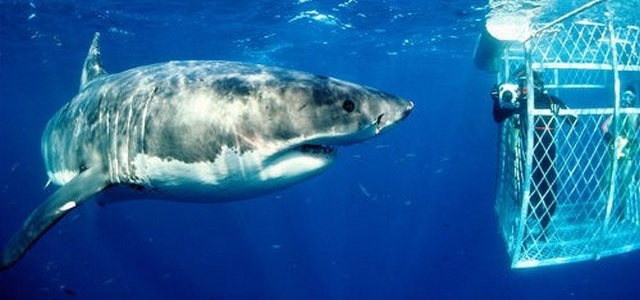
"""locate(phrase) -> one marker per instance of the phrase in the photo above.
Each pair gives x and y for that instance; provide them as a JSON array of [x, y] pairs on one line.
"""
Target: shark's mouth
[[316, 149]]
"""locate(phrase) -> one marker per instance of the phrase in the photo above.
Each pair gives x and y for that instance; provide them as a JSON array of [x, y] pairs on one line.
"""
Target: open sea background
[[408, 215]]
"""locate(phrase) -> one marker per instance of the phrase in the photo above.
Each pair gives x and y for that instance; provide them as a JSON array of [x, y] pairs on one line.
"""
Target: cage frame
[[517, 138]]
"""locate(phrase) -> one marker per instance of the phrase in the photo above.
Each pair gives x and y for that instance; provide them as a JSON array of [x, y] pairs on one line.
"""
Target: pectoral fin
[[68, 197]]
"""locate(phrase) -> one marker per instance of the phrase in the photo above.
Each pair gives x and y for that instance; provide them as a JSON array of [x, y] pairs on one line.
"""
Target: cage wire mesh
[[565, 193]]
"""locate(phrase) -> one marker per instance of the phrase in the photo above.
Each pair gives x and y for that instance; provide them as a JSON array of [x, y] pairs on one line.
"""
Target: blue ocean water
[[408, 215]]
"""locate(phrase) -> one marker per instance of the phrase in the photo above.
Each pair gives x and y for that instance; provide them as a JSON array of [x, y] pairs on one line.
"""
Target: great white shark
[[197, 131]]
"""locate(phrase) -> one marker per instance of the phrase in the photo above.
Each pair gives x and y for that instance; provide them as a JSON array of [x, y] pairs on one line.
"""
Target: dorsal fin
[[92, 67]]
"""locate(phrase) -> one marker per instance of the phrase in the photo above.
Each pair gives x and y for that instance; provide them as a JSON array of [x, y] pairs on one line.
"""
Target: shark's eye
[[348, 105]]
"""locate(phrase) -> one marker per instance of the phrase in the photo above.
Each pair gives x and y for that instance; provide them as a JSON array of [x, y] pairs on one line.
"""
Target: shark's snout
[[385, 120], [408, 110]]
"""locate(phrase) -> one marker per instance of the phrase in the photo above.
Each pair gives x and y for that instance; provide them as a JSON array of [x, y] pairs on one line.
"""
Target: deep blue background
[[408, 215]]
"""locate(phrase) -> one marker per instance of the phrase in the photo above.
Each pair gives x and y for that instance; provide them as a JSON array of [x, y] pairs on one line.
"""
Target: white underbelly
[[229, 177]]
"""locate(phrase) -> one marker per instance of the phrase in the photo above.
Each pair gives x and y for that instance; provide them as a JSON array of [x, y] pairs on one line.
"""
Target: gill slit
[[114, 148], [142, 146], [106, 116], [127, 146]]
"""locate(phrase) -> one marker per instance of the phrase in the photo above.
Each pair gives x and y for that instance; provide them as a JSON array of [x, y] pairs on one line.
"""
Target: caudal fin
[[68, 197]]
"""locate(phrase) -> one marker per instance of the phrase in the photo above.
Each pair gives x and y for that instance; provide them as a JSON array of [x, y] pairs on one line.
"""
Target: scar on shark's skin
[[196, 131]]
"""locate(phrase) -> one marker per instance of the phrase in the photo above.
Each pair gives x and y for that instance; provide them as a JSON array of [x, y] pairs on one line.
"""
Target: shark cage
[[568, 186]]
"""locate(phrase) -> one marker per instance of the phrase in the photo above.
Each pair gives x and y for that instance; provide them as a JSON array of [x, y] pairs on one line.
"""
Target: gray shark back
[[205, 131]]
